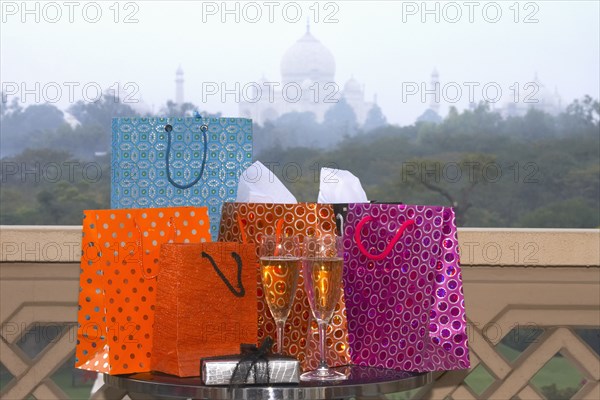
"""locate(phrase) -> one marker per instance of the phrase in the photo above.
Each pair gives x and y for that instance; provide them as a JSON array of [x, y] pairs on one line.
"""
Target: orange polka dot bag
[[303, 219], [119, 267]]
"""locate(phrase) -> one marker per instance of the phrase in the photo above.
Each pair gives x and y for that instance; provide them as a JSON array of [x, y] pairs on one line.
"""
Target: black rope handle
[[238, 261], [169, 129]]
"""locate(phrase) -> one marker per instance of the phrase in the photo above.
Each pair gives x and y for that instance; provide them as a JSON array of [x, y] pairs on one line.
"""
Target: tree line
[[536, 170]]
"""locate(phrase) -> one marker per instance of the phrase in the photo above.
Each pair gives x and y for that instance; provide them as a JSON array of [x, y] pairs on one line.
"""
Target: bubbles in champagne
[[323, 285], [279, 278]]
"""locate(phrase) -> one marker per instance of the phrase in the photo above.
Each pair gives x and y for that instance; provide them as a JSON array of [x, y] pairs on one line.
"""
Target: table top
[[363, 382]]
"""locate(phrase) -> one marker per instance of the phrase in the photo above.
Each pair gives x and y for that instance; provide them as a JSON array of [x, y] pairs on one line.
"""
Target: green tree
[[535, 124], [21, 128], [429, 116], [47, 186], [375, 119], [102, 111], [584, 112], [572, 213], [453, 181]]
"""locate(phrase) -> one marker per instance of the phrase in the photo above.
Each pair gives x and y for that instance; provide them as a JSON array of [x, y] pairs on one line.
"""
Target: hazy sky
[[384, 44]]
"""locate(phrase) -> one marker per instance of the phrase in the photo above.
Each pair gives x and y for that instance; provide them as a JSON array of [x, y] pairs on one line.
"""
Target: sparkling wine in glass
[[279, 270], [322, 268]]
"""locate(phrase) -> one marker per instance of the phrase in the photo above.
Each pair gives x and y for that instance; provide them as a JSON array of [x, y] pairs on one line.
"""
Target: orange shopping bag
[[119, 265], [303, 219], [205, 304]]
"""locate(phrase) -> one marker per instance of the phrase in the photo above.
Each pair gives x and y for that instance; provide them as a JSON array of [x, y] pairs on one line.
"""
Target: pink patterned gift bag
[[403, 288]]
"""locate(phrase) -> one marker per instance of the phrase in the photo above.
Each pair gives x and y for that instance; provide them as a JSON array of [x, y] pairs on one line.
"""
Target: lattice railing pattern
[[501, 299], [36, 294], [558, 292]]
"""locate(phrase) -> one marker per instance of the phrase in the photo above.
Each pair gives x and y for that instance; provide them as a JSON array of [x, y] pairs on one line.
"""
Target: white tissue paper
[[259, 185], [340, 186]]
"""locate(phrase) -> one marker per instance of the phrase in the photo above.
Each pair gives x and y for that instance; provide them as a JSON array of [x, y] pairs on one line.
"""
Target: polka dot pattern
[[301, 334], [119, 264], [405, 311]]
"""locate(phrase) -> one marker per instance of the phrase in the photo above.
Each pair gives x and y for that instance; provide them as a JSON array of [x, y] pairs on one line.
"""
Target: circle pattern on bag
[[303, 219], [119, 264], [405, 311]]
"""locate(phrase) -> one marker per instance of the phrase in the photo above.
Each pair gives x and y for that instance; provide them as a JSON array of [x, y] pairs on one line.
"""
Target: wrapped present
[[252, 220], [403, 288], [253, 366]]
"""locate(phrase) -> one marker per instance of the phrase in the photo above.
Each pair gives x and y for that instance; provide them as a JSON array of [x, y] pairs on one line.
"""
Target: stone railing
[[532, 297]]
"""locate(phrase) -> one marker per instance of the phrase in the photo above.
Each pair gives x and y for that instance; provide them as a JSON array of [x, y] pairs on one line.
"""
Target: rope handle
[[238, 260], [169, 129], [340, 217], [242, 229], [388, 248], [278, 235], [140, 245]]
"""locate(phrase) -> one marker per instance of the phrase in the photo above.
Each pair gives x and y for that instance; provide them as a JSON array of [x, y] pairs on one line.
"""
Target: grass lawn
[[64, 379], [558, 371]]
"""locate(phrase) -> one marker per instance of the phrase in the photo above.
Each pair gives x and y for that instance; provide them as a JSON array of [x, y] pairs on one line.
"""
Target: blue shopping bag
[[191, 161]]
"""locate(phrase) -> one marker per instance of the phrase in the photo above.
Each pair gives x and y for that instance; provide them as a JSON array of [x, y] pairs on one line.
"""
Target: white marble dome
[[352, 86], [307, 59]]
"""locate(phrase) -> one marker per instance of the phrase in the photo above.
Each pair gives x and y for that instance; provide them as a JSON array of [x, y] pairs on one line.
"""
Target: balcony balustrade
[[532, 298]]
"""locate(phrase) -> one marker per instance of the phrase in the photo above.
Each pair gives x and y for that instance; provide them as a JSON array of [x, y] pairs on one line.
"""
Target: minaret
[[179, 86], [435, 85], [557, 99]]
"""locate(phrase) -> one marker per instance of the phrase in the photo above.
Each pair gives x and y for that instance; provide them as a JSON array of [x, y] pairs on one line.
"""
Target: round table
[[362, 383]]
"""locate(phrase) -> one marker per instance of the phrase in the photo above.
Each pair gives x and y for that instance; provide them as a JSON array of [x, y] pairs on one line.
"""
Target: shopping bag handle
[[238, 260], [340, 217], [242, 229], [169, 129], [140, 245], [388, 248]]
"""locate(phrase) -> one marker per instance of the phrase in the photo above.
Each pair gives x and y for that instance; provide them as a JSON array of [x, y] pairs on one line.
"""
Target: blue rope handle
[[169, 129]]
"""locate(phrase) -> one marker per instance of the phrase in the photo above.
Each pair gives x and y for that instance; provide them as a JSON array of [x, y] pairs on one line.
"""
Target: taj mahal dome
[[307, 85]]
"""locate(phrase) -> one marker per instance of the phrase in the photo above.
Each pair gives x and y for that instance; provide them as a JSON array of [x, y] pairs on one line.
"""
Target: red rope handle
[[242, 229], [388, 248], [278, 236]]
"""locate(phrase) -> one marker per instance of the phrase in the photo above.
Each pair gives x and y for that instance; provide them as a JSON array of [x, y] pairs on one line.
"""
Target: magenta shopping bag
[[403, 288]]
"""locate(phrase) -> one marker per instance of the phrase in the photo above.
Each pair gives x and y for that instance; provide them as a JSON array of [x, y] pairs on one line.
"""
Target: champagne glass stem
[[280, 325], [322, 344]]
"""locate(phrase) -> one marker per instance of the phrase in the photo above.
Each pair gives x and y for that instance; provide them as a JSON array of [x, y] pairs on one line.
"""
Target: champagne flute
[[322, 267], [279, 270]]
